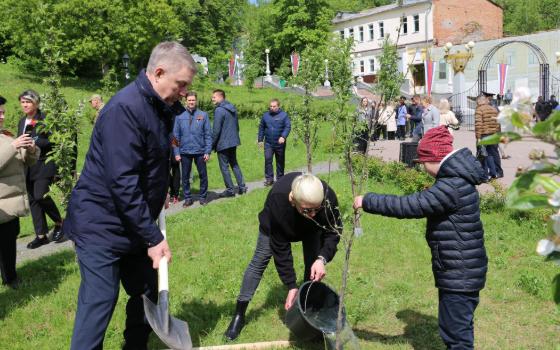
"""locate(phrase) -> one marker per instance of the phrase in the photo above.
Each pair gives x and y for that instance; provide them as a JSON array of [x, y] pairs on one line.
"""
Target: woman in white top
[[446, 116]]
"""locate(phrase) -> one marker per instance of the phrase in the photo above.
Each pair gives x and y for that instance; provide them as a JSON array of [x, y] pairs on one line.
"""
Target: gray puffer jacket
[[454, 230]]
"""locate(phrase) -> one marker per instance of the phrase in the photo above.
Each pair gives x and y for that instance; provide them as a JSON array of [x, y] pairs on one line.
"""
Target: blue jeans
[[270, 152], [455, 317], [493, 162], [186, 163], [102, 270], [227, 158]]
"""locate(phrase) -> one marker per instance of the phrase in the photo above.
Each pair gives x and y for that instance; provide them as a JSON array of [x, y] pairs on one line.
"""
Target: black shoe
[[188, 203], [242, 190], [237, 322], [203, 201], [226, 194], [268, 183], [57, 236], [37, 242]]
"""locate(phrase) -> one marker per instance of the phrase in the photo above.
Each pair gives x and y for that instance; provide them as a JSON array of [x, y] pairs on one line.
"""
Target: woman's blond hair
[[308, 189], [444, 105]]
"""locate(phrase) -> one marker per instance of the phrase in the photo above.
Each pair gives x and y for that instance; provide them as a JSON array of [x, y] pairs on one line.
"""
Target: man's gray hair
[[171, 55]]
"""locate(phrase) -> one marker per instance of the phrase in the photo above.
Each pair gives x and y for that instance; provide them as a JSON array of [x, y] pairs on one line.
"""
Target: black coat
[[454, 230], [124, 181], [41, 169]]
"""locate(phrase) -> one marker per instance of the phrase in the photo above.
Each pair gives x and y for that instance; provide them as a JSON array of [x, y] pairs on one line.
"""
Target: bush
[[409, 180]]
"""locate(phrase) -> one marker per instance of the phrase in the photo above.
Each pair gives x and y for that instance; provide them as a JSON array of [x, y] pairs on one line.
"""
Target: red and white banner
[[502, 75], [294, 58], [429, 74], [231, 67]]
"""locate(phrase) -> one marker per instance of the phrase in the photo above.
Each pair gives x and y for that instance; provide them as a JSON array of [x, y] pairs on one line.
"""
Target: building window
[[442, 70], [351, 33], [533, 58], [404, 24], [362, 67], [372, 65], [342, 34], [416, 23], [370, 27], [381, 30], [361, 34], [509, 59]]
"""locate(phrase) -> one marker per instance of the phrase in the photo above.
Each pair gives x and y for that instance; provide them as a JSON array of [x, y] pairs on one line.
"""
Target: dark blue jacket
[[226, 127], [273, 126], [124, 181], [192, 130], [454, 231]]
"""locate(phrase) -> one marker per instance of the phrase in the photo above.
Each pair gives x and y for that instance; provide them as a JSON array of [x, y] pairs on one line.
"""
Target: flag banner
[[294, 58], [502, 74], [429, 74], [231, 67]]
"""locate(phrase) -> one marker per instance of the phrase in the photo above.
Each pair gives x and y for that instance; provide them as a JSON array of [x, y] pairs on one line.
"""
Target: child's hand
[[358, 202]]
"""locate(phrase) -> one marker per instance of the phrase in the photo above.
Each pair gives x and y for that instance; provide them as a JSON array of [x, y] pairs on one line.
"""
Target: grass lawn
[[391, 304], [250, 157]]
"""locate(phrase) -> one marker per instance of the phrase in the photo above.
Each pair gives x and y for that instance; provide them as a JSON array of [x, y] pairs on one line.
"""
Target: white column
[[268, 76]]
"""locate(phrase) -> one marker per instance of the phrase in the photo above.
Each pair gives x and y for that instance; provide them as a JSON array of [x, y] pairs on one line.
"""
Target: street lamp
[[268, 77], [459, 59], [125, 61], [327, 83]]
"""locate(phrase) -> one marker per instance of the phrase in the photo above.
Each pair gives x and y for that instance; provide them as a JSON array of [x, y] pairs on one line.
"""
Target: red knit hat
[[435, 145]]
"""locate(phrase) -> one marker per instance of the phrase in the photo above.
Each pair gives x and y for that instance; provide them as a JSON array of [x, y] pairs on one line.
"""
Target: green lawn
[[391, 304], [250, 157]]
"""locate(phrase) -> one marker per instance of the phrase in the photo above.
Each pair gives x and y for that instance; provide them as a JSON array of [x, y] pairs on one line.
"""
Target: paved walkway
[[24, 254], [388, 150], [518, 152]]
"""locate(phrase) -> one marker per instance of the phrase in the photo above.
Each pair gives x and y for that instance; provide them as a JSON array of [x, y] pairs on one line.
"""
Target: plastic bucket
[[314, 312]]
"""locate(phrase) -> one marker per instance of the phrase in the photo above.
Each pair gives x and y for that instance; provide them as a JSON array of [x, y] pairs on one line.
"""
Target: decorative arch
[[544, 68]]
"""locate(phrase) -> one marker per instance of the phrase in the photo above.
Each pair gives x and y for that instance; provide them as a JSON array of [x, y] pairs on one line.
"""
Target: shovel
[[172, 331]]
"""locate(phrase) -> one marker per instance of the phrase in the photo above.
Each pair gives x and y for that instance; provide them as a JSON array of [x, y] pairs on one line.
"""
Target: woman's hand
[[23, 141], [291, 298]]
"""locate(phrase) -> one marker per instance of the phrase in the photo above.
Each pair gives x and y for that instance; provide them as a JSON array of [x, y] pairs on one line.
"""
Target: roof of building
[[347, 16]]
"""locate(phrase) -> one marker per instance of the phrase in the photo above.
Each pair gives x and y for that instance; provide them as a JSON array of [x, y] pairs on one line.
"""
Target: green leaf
[[548, 183], [495, 138], [529, 202], [517, 120]]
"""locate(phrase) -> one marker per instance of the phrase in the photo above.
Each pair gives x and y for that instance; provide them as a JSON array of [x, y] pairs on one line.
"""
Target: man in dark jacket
[[274, 129], [415, 116], [454, 230], [225, 139], [299, 208], [122, 188], [192, 130]]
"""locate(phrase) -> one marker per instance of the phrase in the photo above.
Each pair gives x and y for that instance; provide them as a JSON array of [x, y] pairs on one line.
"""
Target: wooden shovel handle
[[250, 346], [163, 280]]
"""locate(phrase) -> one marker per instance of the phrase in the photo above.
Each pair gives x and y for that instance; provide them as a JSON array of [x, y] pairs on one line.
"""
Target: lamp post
[[327, 83], [459, 60], [125, 61], [268, 76]]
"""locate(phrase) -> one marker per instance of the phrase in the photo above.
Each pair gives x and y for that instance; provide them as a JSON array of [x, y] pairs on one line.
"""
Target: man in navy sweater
[[112, 210], [274, 129]]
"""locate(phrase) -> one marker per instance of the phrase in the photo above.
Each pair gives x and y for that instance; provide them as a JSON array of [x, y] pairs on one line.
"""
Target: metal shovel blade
[[172, 331]]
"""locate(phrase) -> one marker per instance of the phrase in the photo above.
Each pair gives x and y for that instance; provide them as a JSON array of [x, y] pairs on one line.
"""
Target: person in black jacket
[[299, 208], [40, 175], [225, 139], [454, 230], [112, 211]]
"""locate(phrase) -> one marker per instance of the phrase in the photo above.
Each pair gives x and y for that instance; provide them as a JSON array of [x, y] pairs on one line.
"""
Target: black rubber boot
[[238, 321]]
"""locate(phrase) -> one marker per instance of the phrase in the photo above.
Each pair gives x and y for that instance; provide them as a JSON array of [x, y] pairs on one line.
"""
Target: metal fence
[[464, 104]]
